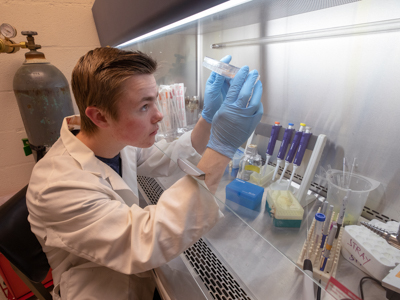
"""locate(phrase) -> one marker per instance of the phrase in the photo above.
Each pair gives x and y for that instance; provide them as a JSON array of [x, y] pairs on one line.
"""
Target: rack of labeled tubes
[[323, 244], [180, 113]]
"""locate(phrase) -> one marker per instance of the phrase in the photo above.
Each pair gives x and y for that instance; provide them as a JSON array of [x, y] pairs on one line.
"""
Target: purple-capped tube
[[293, 148], [271, 144], [287, 136], [300, 151]]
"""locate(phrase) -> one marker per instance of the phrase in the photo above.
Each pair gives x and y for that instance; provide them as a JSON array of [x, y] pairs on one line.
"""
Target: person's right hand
[[234, 122]]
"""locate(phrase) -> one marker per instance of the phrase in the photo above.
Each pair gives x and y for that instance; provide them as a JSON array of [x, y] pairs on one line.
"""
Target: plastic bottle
[[251, 162]]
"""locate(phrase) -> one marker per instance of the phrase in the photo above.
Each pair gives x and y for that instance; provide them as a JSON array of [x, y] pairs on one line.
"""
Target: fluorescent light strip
[[205, 13]]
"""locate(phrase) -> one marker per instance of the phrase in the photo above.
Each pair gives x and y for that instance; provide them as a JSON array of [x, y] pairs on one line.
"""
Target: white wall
[[66, 31]]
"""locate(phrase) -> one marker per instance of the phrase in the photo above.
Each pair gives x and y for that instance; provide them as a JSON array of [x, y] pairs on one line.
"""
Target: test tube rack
[[314, 254]]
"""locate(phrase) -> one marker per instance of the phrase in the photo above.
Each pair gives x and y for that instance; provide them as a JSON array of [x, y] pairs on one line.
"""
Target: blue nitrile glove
[[216, 88], [234, 122]]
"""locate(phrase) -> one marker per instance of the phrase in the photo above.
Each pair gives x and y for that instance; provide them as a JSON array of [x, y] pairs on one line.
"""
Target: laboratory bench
[[245, 256]]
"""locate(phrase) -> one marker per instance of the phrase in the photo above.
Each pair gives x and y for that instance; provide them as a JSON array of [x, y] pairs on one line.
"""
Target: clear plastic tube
[[220, 67], [319, 222]]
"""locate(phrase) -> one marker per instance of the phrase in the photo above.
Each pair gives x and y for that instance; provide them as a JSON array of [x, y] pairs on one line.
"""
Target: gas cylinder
[[43, 97]]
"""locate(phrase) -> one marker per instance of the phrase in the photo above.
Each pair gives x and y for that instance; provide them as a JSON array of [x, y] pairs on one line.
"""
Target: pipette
[[293, 148], [300, 152], [342, 212], [287, 136], [271, 144], [351, 173]]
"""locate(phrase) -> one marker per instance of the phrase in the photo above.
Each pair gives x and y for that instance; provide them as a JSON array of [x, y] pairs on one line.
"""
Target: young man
[[83, 199]]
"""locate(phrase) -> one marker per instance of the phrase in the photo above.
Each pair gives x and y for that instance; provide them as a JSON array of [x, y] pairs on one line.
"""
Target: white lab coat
[[98, 241]]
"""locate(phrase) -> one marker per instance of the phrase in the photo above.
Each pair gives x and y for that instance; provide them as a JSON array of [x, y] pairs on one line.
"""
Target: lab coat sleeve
[[81, 219], [160, 159]]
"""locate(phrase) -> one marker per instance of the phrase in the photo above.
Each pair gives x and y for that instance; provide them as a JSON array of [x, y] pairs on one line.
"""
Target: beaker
[[339, 183]]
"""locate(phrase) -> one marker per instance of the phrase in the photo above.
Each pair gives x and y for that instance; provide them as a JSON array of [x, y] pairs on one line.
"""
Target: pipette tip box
[[244, 193], [262, 180], [284, 208]]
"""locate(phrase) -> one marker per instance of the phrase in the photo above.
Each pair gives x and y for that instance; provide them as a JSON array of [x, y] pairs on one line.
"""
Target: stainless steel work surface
[[262, 257], [253, 267]]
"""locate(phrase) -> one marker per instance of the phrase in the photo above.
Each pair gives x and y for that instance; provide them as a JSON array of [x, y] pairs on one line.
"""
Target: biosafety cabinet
[[334, 65]]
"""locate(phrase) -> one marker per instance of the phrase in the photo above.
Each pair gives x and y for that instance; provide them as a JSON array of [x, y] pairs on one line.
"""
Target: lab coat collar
[[85, 157]]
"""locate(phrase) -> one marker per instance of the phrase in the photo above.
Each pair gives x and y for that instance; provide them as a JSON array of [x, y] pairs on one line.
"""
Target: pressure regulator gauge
[[8, 31]]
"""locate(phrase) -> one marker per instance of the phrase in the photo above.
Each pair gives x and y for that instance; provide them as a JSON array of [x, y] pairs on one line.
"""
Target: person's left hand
[[216, 88]]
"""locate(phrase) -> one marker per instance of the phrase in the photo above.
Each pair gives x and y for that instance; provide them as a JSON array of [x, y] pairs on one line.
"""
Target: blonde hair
[[98, 76]]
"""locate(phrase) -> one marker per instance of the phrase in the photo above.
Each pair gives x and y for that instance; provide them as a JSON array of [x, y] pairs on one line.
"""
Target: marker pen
[[328, 247]]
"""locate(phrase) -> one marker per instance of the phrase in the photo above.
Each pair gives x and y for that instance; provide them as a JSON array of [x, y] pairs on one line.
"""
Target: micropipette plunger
[[300, 152], [271, 144], [293, 148], [287, 136]]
